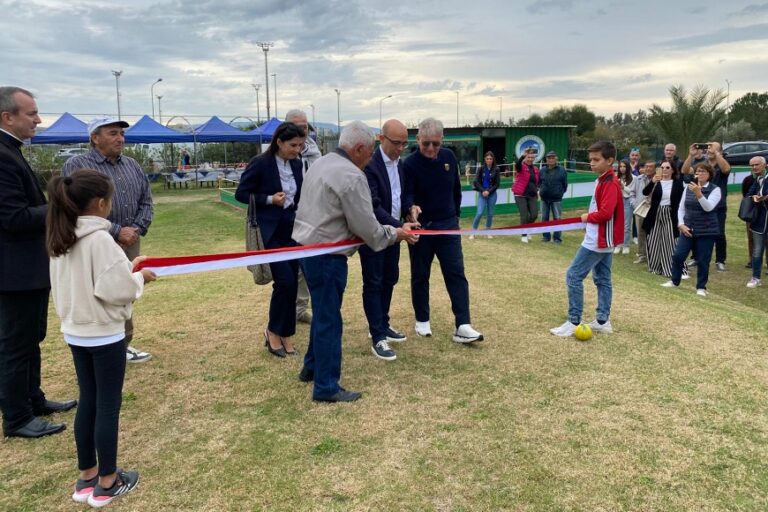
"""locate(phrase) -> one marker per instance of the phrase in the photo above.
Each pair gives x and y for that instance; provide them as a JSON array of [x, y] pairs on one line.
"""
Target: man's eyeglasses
[[398, 143], [427, 143]]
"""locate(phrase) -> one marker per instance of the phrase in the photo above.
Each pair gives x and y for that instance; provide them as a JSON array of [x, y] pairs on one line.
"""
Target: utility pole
[[338, 110], [258, 112], [266, 46], [274, 77], [159, 109], [152, 95]]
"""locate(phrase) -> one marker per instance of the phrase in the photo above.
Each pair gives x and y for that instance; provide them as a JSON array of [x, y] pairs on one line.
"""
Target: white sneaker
[[690, 263], [471, 237], [685, 276], [754, 283], [466, 334], [634, 240], [565, 330], [524, 239], [597, 327], [701, 292], [720, 267], [617, 250], [625, 250], [136, 356], [423, 329], [490, 237], [669, 284], [639, 259]]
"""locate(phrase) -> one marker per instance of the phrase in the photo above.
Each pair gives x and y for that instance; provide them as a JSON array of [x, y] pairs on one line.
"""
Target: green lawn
[[667, 414]]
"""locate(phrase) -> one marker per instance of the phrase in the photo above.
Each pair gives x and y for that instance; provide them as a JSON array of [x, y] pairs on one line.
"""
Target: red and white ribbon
[[207, 262]]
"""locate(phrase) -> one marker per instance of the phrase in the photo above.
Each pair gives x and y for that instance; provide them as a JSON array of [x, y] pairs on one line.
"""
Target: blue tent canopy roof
[[66, 130], [148, 131], [216, 130]]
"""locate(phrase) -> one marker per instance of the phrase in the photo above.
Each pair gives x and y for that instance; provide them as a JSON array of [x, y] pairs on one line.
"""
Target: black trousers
[[381, 271], [282, 306], [721, 244], [23, 324], [100, 375]]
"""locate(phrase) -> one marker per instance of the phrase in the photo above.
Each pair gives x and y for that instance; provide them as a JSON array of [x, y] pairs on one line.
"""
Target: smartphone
[[658, 171], [699, 145]]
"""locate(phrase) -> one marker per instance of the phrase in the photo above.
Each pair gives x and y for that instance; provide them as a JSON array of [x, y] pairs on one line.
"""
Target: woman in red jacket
[[526, 189]]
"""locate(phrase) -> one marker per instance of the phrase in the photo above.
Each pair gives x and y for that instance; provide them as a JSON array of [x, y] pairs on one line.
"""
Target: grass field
[[667, 414]]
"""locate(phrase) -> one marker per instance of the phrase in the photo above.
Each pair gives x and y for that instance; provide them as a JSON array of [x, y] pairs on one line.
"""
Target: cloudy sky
[[520, 56]]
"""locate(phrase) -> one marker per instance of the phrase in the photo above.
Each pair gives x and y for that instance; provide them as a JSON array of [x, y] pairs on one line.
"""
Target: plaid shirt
[[132, 200]]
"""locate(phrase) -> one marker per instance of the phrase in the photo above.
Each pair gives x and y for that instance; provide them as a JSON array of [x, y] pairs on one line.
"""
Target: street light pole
[[117, 89], [152, 95], [274, 77], [258, 113], [457, 109], [338, 110], [501, 118], [380, 102], [266, 46], [159, 109], [313, 117]]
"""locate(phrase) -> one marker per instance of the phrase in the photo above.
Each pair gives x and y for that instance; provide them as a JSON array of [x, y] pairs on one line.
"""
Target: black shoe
[[37, 428], [50, 407], [396, 336], [306, 375], [279, 352], [342, 395]]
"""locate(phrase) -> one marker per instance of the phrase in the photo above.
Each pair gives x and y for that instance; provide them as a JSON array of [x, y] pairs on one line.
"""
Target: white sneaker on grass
[[565, 330], [471, 237], [466, 334], [617, 250], [754, 283], [669, 284], [701, 292], [625, 250], [423, 329], [524, 239], [685, 276], [597, 327]]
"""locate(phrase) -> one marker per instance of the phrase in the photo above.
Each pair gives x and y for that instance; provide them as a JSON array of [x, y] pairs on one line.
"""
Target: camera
[[700, 145]]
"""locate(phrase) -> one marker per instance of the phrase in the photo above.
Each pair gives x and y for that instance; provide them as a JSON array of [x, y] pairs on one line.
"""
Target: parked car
[[739, 153], [66, 153]]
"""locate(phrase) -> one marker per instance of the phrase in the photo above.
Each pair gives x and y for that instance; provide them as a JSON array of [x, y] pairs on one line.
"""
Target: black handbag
[[748, 210]]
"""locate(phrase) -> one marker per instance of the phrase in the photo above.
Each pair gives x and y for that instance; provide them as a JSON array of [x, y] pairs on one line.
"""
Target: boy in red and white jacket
[[605, 230]]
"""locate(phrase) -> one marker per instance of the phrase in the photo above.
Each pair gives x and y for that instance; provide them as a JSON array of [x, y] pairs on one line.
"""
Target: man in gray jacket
[[635, 198], [336, 206]]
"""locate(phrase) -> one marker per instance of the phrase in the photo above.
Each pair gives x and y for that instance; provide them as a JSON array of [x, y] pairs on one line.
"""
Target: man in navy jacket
[[381, 269], [24, 280]]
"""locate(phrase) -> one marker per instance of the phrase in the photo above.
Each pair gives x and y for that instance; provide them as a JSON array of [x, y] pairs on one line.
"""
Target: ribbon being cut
[[207, 262]]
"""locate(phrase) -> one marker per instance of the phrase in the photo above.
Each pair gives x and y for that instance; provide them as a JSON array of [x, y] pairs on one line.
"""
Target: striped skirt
[[661, 244]]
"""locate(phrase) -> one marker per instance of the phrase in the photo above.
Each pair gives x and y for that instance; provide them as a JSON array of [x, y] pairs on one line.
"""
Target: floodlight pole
[[266, 46], [258, 113], [159, 109], [380, 102], [117, 89], [338, 110], [274, 77]]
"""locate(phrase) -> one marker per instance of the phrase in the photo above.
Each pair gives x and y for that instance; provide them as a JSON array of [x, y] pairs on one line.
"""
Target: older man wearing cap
[[132, 209], [554, 183]]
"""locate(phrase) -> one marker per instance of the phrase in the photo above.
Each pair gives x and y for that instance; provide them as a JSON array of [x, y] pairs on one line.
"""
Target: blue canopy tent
[[148, 131], [267, 130], [216, 130], [66, 130]]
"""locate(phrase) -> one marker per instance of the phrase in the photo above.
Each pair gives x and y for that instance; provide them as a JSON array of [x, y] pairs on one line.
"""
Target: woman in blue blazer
[[274, 179]]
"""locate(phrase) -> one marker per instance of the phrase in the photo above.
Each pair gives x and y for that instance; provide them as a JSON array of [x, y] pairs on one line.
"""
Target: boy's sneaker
[[754, 283], [625, 250], [565, 330], [669, 284], [136, 356], [720, 267], [471, 237], [617, 250], [125, 482], [84, 489], [466, 334], [423, 329], [597, 327], [701, 292], [382, 351], [524, 239]]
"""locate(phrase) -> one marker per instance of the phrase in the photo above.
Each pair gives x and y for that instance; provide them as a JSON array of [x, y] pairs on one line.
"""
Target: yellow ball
[[583, 332]]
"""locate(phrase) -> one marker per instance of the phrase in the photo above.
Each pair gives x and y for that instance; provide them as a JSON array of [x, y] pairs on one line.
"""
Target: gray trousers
[[132, 252], [302, 295]]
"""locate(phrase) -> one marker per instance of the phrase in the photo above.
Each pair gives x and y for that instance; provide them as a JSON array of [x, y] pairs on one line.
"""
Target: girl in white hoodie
[[93, 286]]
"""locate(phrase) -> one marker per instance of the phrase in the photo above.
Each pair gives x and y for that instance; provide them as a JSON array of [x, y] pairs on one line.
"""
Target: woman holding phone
[[699, 227], [660, 225]]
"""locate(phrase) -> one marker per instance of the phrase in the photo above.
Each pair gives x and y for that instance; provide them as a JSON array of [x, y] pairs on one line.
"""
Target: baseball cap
[[552, 153], [98, 122]]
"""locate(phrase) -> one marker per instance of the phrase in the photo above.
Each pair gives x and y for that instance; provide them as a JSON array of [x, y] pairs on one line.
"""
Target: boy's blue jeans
[[600, 265]]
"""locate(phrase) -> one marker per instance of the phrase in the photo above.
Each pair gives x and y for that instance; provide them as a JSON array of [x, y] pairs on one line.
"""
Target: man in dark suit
[[24, 281], [381, 269]]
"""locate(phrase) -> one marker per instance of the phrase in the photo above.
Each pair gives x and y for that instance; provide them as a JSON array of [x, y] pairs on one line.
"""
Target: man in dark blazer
[[24, 280], [381, 269]]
